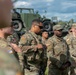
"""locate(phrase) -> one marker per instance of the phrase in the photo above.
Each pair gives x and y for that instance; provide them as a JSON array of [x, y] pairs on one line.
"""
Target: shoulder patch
[[23, 38]]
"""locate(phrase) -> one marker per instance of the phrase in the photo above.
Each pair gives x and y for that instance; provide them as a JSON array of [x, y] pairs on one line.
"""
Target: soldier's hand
[[74, 55], [15, 47], [39, 46], [65, 65]]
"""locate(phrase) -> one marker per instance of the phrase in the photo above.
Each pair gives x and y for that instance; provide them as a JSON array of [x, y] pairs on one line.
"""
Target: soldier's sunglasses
[[60, 30], [41, 27]]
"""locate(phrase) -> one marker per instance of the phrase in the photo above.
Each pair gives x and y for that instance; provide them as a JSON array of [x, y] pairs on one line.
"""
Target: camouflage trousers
[[32, 71], [55, 71], [72, 70]]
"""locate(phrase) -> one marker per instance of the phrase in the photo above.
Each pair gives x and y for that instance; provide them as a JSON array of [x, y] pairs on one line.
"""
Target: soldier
[[44, 36], [57, 51], [44, 40], [71, 41], [8, 63], [32, 48], [4, 33]]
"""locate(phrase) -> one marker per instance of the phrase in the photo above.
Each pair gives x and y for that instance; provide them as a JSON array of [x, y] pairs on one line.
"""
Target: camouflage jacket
[[28, 44], [8, 63], [44, 42], [57, 50], [5, 44]]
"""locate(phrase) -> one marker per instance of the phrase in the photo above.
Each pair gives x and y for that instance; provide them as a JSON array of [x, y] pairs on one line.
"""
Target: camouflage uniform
[[71, 41], [14, 38], [8, 63], [45, 53], [57, 53], [33, 55], [5, 44], [44, 41]]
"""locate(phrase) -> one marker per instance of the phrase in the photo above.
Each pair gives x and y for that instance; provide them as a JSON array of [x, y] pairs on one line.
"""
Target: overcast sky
[[63, 9]]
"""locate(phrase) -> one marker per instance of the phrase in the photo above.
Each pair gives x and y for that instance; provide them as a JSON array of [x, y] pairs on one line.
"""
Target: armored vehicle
[[26, 15]]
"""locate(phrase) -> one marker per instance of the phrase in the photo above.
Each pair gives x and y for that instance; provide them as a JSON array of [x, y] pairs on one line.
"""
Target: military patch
[[10, 51], [23, 38]]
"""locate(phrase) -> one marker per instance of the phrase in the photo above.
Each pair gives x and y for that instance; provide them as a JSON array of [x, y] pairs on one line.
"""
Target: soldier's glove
[[65, 65]]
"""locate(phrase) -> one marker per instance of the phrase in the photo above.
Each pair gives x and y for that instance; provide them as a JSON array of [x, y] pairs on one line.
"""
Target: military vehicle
[[26, 15], [22, 18]]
